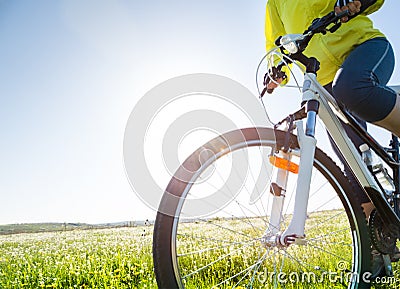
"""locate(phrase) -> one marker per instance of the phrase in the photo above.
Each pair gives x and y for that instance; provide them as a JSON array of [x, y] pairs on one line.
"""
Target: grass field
[[108, 258], [121, 258]]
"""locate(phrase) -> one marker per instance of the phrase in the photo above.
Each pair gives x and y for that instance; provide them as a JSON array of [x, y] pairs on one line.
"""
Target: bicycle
[[264, 244]]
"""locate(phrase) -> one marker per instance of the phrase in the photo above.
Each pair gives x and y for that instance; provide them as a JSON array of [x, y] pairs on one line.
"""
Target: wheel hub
[[270, 241]]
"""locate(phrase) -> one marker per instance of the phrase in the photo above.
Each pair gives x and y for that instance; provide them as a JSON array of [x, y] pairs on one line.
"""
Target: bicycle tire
[[167, 271]]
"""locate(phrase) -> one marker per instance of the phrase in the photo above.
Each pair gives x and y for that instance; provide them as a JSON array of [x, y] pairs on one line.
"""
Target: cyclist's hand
[[273, 78], [353, 6]]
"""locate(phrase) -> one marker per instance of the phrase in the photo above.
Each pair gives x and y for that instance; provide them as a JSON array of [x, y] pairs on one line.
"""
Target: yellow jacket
[[294, 16]]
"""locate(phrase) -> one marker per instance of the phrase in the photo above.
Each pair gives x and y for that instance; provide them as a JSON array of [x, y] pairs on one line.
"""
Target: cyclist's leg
[[353, 136], [392, 120], [357, 141], [360, 84]]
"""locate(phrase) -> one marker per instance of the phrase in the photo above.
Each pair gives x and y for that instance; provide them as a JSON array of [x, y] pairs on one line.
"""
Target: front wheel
[[218, 243]]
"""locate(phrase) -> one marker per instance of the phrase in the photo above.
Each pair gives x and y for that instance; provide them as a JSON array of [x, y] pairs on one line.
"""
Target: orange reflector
[[284, 164]]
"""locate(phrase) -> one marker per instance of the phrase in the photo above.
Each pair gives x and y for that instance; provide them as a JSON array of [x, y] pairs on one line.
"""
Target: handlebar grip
[[343, 14], [269, 91]]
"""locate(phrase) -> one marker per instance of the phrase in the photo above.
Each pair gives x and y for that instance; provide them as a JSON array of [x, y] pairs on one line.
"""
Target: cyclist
[[356, 62]]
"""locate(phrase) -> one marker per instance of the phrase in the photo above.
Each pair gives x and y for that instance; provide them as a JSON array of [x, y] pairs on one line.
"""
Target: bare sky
[[72, 72]]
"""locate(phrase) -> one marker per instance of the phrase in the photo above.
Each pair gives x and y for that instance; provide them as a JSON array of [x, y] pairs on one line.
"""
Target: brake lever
[[319, 25], [272, 75]]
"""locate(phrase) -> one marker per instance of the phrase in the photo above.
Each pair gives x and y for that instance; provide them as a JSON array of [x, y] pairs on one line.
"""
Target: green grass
[[244, 254], [108, 258], [121, 258]]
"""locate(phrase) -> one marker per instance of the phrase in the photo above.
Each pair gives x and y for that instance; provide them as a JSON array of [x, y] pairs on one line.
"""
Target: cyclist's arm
[[273, 25], [273, 29], [370, 6], [357, 7]]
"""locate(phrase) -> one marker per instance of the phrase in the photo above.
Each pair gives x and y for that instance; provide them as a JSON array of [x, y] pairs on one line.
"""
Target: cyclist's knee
[[365, 98], [347, 91]]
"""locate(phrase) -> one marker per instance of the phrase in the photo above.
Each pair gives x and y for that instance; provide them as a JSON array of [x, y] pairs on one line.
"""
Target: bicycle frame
[[329, 112]]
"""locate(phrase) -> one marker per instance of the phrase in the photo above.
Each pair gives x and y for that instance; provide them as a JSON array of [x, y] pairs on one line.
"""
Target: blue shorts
[[360, 83]]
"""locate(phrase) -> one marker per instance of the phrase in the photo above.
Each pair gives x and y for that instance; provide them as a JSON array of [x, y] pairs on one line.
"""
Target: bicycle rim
[[225, 249]]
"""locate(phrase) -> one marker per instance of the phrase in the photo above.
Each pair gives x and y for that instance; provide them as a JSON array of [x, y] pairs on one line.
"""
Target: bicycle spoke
[[209, 239], [325, 221], [327, 235], [212, 263], [248, 269], [212, 249], [328, 252]]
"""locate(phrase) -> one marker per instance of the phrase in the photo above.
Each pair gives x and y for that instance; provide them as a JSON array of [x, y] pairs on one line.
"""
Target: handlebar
[[296, 45], [318, 25]]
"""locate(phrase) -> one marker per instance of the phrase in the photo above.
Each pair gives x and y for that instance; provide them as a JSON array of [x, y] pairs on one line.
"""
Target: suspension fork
[[278, 190], [294, 234], [307, 142]]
